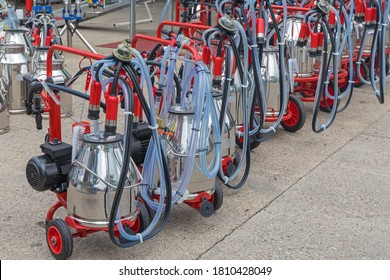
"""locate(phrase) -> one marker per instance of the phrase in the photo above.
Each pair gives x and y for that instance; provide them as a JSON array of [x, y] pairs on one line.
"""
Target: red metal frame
[[197, 201], [184, 25], [196, 55], [54, 109]]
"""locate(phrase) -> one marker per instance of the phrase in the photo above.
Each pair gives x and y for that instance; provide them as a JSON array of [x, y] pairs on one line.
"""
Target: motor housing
[[141, 134], [50, 170]]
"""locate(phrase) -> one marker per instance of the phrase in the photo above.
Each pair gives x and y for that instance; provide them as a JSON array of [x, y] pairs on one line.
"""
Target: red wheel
[[143, 220], [59, 239], [298, 117]]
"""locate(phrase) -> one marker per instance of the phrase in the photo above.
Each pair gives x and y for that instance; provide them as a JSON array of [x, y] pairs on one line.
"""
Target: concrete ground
[[309, 196]]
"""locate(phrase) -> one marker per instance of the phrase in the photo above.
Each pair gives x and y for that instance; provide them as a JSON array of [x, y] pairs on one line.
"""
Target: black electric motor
[[50, 171]]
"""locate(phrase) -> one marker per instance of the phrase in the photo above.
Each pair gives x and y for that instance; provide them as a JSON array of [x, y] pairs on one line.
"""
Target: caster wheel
[[143, 217], [298, 118], [206, 208], [217, 196], [151, 212], [59, 239], [253, 143]]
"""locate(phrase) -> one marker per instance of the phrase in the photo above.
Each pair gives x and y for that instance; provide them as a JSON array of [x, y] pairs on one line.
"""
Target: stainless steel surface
[[94, 178], [19, 37], [299, 54], [4, 116], [13, 54], [228, 133], [59, 74], [345, 54], [272, 79], [388, 34], [368, 39], [132, 18], [13, 62], [177, 148]]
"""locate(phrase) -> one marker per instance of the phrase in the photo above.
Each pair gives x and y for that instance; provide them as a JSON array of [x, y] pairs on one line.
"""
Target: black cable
[[244, 178], [130, 71], [61, 89]]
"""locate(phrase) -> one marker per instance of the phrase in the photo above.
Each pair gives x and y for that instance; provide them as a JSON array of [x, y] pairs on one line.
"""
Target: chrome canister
[[59, 75], [14, 61], [93, 182], [272, 79], [177, 148], [304, 62], [19, 36]]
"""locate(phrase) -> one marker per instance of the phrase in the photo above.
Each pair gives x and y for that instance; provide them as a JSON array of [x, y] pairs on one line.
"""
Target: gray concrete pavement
[[309, 196]]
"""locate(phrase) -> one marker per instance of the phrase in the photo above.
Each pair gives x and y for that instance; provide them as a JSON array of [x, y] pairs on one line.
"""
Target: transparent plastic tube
[[154, 156], [210, 112]]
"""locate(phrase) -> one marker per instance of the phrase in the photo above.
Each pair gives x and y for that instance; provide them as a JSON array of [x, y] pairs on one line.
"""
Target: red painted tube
[[260, 30], [313, 44], [342, 18], [368, 17], [180, 24], [290, 8], [96, 89], [94, 100], [196, 55], [28, 6], [359, 8], [137, 108], [112, 103], [332, 19], [206, 55], [320, 42], [373, 15], [303, 34], [217, 67]]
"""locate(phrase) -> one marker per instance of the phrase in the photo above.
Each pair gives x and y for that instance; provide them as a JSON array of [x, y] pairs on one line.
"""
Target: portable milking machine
[[96, 179], [15, 50], [189, 124], [374, 48], [44, 33]]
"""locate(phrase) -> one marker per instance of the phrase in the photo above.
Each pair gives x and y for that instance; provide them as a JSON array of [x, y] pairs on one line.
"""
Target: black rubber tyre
[[150, 210], [206, 208], [143, 216], [218, 196], [298, 118], [59, 239], [253, 143], [143, 219]]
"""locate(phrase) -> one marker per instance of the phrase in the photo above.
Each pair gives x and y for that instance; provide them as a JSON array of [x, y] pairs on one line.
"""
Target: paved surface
[[309, 196]]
